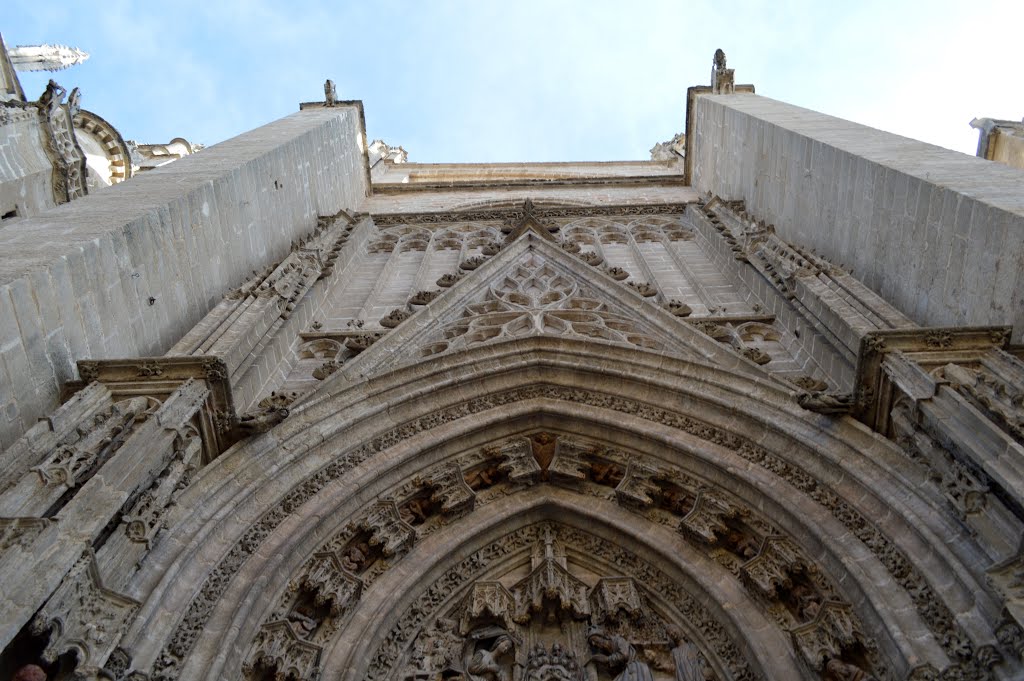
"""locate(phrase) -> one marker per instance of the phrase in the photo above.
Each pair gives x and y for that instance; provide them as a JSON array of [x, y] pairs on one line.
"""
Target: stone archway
[[822, 485]]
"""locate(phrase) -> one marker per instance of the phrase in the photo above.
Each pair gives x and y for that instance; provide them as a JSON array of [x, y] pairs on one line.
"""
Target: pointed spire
[[45, 57]]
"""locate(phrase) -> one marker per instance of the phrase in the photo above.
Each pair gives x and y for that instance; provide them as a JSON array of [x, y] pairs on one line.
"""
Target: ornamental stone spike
[[46, 57]]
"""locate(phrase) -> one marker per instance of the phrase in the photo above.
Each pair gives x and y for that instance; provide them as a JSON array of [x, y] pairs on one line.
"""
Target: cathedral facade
[[294, 408]]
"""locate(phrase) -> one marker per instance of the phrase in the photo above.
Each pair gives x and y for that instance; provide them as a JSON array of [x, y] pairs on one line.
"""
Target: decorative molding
[[83, 617], [931, 608], [514, 213], [158, 377]]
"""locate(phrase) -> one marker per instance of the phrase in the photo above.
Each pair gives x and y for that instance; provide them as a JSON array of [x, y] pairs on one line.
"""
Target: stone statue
[[837, 670], [52, 97], [354, 558], [719, 60], [330, 94], [685, 657], [722, 79], [617, 651], [262, 420], [826, 403], [558, 665], [446, 644], [494, 663], [75, 101]]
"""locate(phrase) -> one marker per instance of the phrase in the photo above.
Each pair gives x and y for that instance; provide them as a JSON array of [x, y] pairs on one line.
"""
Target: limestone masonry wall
[[126, 271], [938, 233], [25, 170]]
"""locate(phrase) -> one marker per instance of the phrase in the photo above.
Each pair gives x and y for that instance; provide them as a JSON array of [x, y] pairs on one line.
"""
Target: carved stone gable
[[532, 287]]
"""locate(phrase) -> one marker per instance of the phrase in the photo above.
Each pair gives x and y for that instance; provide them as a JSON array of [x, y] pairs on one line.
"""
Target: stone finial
[[672, 150], [330, 94], [722, 79], [381, 150], [45, 57]]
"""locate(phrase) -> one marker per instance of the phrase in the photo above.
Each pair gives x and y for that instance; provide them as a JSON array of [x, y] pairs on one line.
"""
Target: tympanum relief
[[553, 625]]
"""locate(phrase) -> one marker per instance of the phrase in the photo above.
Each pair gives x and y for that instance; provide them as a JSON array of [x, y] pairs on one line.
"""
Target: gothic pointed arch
[[370, 519]]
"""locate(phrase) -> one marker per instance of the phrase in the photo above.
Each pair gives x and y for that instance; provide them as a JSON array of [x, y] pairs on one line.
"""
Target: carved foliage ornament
[[932, 609], [621, 593], [83, 617]]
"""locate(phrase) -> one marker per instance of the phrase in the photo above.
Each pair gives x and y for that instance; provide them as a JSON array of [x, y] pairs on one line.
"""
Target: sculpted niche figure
[[616, 652], [493, 663], [685, 657]]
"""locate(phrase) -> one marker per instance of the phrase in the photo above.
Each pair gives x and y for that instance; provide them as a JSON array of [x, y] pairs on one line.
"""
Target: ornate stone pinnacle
[[45, 57]]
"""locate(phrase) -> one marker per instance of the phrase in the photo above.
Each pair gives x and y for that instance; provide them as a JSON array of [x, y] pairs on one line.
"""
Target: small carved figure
[[757, 356], [262, 421], [617, 273], [676, 500], [679, 308], [52, 97], [837, 670], [304, 626], [481, 478], [719, 59], [329, 367], [447, 280], [75, 101], [415, 511], [494, 663], [423, 297], [443, 647], [558, 655], [354, 558], [826, 403], [472, 263], [808, 603], [606, 473], [685, 656], [618, 652], [330, 94], [745, 546], [394, 318]]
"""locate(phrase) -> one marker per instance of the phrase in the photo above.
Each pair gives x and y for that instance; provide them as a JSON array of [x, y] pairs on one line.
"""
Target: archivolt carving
[[424, 620], [772, 568], [932, 610]]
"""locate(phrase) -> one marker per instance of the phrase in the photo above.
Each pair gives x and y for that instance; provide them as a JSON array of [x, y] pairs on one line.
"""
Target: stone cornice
[[513, 212]]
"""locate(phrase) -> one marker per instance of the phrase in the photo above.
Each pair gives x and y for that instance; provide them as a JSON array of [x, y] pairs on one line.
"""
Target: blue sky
[[527, 81]]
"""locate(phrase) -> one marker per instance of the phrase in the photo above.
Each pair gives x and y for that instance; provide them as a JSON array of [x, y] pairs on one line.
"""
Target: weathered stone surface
[[937, 233], [126, 272], [543, 421]]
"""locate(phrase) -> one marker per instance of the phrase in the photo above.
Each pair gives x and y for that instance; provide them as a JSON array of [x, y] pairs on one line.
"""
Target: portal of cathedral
[[623, 434]]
